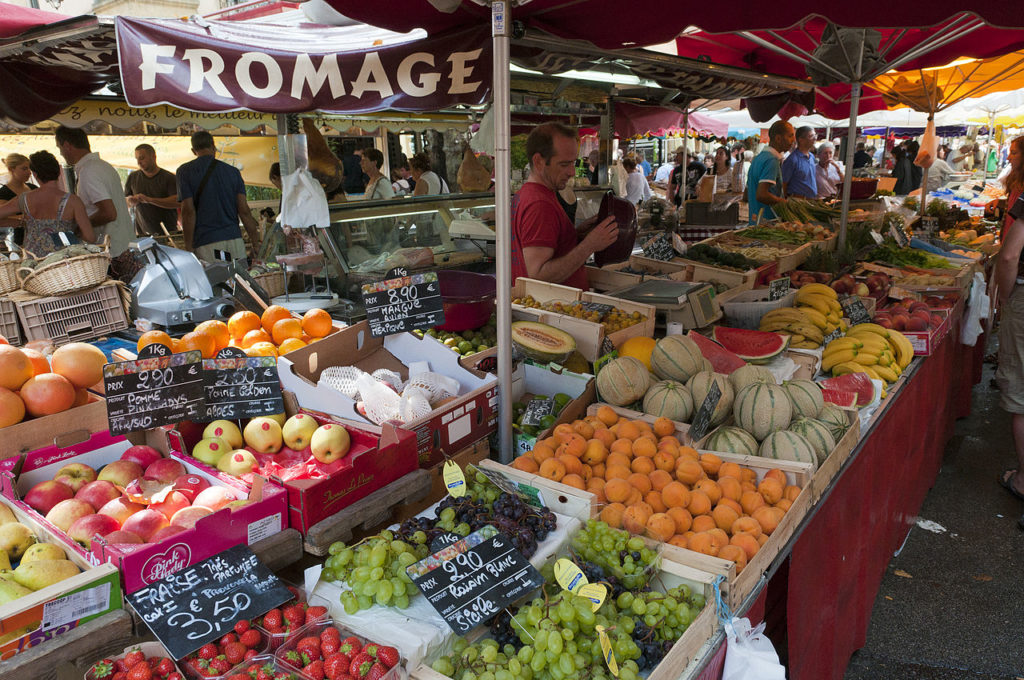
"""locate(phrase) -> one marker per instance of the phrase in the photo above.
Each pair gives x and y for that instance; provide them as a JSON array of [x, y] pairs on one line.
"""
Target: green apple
[[226, 430], [238, 462], [330, 442], [263, 434], [298, 430], [211, 450]]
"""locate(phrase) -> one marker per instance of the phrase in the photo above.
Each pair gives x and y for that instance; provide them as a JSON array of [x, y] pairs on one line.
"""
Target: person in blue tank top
[[764, 180]]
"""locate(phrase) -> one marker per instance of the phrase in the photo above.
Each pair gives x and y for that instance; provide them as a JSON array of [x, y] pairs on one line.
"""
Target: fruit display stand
[[530, 379], [828, 470]]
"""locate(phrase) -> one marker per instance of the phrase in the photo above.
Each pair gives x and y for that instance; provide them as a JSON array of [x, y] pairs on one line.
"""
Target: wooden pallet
[[368, 513]]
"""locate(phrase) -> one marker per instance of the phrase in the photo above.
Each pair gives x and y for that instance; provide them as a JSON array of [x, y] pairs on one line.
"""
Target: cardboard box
[[445, 430], [471, 455], [377, 457], [96, 591], [531, 379], [150, 649], [63, 428], [925, 342], [143, 564]]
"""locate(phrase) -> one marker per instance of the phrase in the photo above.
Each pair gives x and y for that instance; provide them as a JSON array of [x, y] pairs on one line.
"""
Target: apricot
[[653, 499], [659, 479], [660, 527], [699, 504], [711, 463], [663, 427], [644, 466], [553, 469], [724, 516], [682, 518], [750, 501], [634, 520], [709, 487], [526, 463], [746, 525], [771, 490], [617, 490], [703, 523], [612, 513], [734, 553], [730, 469], [675, 495], [574, 481], [607, 416]]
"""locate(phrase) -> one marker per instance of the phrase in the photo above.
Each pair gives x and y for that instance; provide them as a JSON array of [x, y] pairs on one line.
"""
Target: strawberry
[[120, 666], [153, 661], [220, 664], [295, 616], [234, 652], [239, 676], [377, 671], [283, 675], [140, 671], [208, 651], [315, 613], [228, 639], [174, 676], [351, 646], [315, 670], [132, 659], [361, 664], [371, 649], [250, 638], [329, 645], [120, 675], [296, 658], [309, 645], [164, 667], [101, 670], [388, 656], [273, 621], [330, 632], [242, 626], [336, 665], [264, 672], [250, 654]]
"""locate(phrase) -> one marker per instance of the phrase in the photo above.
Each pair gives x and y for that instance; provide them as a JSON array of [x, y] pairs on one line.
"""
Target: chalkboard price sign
[[896, 231], [778, 288], [403, 304], [598, 307], [153, 390], [241, 387], [201, 603], [702, 420], [470, 581], [854, 310], [832, 336], [536, 410]]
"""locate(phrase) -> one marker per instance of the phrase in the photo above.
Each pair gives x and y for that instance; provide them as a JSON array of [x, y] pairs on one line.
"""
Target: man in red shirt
[[544, 242]]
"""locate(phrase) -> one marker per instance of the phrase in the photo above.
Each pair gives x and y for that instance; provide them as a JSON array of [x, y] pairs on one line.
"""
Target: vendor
[[378, 187], [764, 181], [828, 174], [544, 241], [938, 175], [799, 177]]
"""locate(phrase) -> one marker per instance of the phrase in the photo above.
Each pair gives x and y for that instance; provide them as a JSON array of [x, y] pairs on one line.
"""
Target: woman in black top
[[17, 184]]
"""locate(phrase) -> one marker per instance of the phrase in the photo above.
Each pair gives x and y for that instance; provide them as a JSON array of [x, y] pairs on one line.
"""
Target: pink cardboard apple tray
[[141, 565]]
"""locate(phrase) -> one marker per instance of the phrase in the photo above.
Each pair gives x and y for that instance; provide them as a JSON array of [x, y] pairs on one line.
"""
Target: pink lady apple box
[[142, 564], [376, 457]]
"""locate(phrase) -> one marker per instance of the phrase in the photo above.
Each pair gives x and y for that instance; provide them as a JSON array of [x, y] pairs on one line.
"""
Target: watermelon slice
[[840, 398], [858, 383], [722, 359], [756, 347]]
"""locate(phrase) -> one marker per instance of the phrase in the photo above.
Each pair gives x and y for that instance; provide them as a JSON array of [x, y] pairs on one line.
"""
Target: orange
[[643, 465], [219, 331], [252, 337], [241, 323], [40, 364], [526, 463], [659, 479], [272, 315], [617, 490], [154, 338], [660, 527], [640, 481], [682, 518], [261, 349], [612, 514], [286, 328], [317, 323], [200, 341], [290, 345], [675, 495]]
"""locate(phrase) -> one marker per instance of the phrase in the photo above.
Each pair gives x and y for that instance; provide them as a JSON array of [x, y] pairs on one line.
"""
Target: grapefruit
[[47, 394], [38, 359], [81, 363], [12, 408], [15, 367]]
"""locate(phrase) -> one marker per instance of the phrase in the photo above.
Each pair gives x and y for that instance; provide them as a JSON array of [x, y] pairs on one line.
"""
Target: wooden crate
[[674, 266], [607, 278], [470, 455], [828, 470], [730, 277]]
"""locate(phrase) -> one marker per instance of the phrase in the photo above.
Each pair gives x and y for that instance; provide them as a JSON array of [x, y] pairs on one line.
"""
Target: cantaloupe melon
[[762, 408], [731, 439], [817, 435], [622, 381], [700, 385], [787, 445], [669, 399], [676, 357], [749, 374], [806, 397], [835, 419]]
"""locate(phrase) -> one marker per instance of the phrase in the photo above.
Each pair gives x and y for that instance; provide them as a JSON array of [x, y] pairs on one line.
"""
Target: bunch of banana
[[880, 352], [820, 303], [804, 332]]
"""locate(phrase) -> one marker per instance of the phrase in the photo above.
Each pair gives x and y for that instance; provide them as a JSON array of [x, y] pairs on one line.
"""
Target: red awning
[[15, 19], [632, 120]]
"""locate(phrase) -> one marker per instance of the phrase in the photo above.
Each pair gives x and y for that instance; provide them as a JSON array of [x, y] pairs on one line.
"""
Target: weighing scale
[[690, 304], [174, 288]]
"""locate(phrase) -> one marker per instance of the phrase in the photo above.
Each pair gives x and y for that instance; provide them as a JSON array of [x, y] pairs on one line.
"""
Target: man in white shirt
[[637, 188], [664, 171], [99, 187]]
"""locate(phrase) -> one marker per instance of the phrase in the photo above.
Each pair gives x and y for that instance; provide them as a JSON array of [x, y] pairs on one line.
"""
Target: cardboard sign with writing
[[403, 303], [778, 288], [201, 603], [928, 225], [702, 420], [238, 386], [854, 310], [470, 581], [158, 388]]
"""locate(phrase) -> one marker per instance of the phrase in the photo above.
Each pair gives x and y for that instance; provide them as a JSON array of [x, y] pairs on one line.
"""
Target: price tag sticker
[[454, 479], [854, 310], [403, 303], [75, 606], [778, 288], [236, 387], [568, 575], [598, 307], [606, 650]]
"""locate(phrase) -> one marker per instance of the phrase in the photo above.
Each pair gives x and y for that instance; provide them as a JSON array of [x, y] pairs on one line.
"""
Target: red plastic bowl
[[468, 299], [863, 187]]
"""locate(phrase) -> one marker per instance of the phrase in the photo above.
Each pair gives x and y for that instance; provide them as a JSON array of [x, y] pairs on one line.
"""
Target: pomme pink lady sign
[[224, 66]]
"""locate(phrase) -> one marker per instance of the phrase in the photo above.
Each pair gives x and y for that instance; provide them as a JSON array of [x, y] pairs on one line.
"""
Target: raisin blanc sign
[[224, 66]]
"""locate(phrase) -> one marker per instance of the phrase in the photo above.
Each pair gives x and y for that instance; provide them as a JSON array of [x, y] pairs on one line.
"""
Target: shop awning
[[632, 120]]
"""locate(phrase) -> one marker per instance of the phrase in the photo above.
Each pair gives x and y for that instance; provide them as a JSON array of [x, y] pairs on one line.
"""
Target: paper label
[[568, 575], [606, 650], [595, 592], [263, 528], [75, 606], [454, 479]]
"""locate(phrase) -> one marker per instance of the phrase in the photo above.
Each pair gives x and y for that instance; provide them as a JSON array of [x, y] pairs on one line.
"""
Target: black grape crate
[[237, 387], [154, 390], [472, 580], [201, 603], [403, 304]]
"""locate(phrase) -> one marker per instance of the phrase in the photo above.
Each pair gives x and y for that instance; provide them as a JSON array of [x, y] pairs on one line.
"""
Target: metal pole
[[851, 143], [501, 29], [682, 174]]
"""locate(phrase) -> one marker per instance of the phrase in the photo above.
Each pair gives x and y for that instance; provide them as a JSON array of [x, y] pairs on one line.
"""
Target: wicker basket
[[75, 273], [272, 282], [9, 277]]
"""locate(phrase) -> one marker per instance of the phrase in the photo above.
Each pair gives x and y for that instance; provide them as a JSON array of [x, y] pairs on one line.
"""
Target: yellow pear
[[44, 551], [39, 574], [5, 561], [6, 515], [15, 539], [10, 591]]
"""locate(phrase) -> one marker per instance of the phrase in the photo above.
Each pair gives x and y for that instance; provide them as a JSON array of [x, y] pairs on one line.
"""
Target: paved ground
[[951, 605]]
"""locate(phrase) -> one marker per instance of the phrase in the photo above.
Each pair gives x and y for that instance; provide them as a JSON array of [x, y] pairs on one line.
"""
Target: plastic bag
[[977, 309], [929, 150], [749, 654], [303, 201]]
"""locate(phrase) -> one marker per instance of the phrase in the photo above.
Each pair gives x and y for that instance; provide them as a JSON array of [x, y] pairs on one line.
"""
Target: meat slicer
[[174, 288]]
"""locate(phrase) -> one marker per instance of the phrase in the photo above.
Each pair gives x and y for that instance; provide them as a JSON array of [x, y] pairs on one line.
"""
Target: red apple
[[187, 517], [98, 493], [64, 514], [120, 472], [215, 498], [166, 532], [122, 537], [75, 475], [86, 528], [121, 509], [44, 495], [142, 454], [165, 470], [190, 485], [175, 501], [145, 523]]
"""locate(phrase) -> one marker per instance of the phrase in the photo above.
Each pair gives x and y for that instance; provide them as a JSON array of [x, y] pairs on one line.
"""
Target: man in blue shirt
[[644, 165], [212, 196], [799, 175], [764, 180]]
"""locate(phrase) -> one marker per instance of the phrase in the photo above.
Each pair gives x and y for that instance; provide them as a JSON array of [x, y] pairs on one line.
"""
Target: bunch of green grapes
[[613, 556], [374, 570]]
